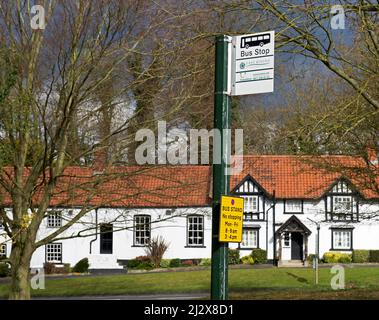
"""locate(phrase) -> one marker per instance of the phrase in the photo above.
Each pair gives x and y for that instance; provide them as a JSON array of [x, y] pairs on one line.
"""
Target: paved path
[[184, 296]]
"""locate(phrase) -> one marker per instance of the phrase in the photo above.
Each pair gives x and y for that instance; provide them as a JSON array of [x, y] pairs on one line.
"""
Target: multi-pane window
[[142, 230], [342, 239], [3, 250], [293, 206], [287, 239], [249, 238], [195, 230], [54, 252], [342, 204], [251, 204], [54, 219]]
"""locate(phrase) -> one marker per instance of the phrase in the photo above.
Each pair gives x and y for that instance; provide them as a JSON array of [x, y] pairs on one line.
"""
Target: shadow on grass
[[300, 279], [276, 289]]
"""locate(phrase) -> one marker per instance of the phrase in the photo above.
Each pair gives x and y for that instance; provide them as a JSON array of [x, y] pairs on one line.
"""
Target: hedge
[[374, 256], [140, 263], [259, 256], [165, 263], [336, 257], [361, 256], [174, 263], [4, 269], [133, 263], [247, 260], [233, 256], [81, 266], [205, 262], [145, 265]]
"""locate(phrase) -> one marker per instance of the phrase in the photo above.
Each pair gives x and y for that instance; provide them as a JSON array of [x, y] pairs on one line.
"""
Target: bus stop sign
[[231, 219], [252, 63]]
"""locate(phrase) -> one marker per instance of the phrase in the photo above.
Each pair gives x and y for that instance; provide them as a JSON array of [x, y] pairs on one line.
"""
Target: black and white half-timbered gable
[[254, 199], [342, 202], [254, 216]]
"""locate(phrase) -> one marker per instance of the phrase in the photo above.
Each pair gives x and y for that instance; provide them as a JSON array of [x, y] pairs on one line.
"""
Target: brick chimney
[[100, 160]]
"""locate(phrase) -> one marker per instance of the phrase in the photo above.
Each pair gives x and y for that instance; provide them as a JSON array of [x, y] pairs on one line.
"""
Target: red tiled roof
[[122, 186], [304, 176], [186, 186]]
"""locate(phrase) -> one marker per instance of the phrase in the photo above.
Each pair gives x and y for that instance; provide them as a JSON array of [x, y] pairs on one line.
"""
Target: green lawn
[[282, 283]]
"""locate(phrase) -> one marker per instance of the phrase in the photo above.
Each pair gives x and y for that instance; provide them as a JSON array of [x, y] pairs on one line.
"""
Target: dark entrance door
[[296, 246], [106, 238]]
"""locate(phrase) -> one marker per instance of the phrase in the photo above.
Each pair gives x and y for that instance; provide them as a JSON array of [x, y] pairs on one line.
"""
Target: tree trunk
[[20, 263]]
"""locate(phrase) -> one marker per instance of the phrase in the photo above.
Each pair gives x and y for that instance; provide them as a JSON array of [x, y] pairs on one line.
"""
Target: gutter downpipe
[[93, 240], [267, 211], [274, 262]]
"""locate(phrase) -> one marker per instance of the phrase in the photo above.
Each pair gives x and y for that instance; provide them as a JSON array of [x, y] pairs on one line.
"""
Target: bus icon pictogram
[[254, 41]]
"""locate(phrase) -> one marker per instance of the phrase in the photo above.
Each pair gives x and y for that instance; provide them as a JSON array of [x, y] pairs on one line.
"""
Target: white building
[[285, 198]]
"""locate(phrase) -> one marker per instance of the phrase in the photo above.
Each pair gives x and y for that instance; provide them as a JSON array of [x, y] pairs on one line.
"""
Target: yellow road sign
[[231, 219]]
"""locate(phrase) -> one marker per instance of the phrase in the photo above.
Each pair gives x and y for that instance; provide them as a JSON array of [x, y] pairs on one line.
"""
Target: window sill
[[139, 246], [341, 228], [189, 246], [342, 221], [351, 249], [247, 248]]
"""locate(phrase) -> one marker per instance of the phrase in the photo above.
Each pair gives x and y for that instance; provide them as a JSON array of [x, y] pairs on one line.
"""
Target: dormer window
[[251, 204]]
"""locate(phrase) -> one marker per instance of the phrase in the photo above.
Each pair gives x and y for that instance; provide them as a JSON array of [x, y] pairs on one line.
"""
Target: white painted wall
[[174, 230]]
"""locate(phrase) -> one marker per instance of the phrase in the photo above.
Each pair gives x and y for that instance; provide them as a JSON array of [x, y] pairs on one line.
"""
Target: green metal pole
[[317, 251], [222, 116]]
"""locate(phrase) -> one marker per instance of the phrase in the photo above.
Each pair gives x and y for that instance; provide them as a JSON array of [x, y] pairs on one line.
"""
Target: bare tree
[[305, 29], [82, 86], [338, 115], [51, 91]]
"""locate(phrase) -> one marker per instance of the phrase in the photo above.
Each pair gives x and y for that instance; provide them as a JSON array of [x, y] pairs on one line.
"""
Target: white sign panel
[[253, 63]]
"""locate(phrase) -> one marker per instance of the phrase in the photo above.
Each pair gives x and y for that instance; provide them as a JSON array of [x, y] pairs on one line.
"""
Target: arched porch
[[292, 240]]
